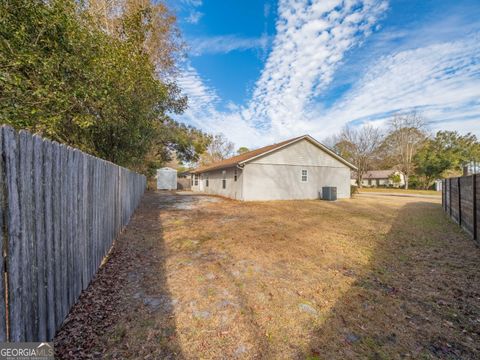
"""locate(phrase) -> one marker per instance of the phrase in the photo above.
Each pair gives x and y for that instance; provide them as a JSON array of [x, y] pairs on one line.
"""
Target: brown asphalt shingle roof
[[233, 161], [236, 160]]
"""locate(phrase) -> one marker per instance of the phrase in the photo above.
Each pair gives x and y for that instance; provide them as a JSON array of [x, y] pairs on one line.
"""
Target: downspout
[[241, 166]]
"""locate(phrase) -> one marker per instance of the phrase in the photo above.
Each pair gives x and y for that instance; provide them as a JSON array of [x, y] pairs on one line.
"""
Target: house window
[[224, 179], [235, 175], [304, 175], [206, 180], [195, 179]]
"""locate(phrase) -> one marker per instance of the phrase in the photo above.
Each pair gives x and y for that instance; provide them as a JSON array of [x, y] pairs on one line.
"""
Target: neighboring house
[[293, 169], [379, 178]]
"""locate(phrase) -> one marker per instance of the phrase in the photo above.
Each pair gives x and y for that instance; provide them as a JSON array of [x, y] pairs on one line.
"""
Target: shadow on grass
[[127, 310], [418, 298]]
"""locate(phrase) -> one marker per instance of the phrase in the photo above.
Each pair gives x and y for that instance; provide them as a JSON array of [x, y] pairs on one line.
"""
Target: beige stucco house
[[293, 169]]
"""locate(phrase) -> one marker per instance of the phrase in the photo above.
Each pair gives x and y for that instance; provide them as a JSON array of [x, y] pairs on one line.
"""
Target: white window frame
[[235, 175], [304, 176], [195, 179]]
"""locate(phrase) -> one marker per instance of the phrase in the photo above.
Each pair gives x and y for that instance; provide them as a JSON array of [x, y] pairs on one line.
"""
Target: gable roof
[[379, 174], [250, 155]]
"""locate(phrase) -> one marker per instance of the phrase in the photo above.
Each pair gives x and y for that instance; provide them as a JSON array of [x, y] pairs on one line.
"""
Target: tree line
[[406, 145], [98, 75]]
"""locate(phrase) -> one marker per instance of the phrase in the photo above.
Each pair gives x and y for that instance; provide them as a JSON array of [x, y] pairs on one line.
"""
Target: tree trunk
[[406, 181], [359, 181]]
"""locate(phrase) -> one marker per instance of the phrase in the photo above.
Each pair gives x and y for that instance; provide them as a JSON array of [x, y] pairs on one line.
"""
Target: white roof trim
[[314, 142]]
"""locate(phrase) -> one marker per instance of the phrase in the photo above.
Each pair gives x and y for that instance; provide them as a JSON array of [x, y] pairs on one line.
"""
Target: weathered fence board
[[25, 144], [39, 236], [64, 238], [184, 183], [49, 240], [466, 201], [454, 200], [60, 211], [3, 318], [14, 238], [56, 222], [476, 217], [461, 201]]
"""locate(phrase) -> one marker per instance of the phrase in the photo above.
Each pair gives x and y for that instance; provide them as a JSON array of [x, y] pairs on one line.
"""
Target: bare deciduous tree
[[332, 141], [407, 134], [359, 146], [219, 149]]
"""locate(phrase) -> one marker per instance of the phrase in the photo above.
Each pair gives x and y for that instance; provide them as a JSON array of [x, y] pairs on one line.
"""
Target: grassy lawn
[[401, 191], [377, 278]]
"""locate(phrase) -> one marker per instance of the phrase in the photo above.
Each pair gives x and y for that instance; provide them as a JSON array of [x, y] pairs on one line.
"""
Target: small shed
[[166, 179]]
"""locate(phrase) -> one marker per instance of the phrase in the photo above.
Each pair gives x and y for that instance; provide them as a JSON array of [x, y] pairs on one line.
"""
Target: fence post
[[474, 197], [450, 196], [444, 195], [3, 297], [459, 202]]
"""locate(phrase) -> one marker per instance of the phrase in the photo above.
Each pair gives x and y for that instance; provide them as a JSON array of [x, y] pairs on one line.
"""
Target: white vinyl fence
[[60, 211]]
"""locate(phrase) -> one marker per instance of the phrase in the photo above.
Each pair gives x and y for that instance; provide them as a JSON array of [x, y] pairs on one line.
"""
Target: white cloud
[[194, 17], [189, 7], [225, 44], [202, 112], [192, 3], [266, 9], [200, 96], [441, 79], [312, 39]]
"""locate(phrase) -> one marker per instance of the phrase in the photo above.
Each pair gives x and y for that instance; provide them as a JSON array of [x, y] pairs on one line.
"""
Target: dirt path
[[131, 287], [202, 277]]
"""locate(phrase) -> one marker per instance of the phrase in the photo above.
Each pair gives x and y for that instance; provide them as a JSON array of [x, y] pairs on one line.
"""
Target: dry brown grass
[[401, 191], [371, 277]]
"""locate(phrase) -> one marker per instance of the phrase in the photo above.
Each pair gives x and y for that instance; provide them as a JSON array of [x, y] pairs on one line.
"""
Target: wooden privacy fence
[[461, 201], [60, 210], [184, 183]]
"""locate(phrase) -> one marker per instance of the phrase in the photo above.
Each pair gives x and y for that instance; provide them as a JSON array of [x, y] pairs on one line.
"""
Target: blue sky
[[263, 71]]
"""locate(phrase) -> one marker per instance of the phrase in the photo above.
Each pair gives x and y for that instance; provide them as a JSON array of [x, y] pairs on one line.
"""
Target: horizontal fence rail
[[461, 201], [60, 211]]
